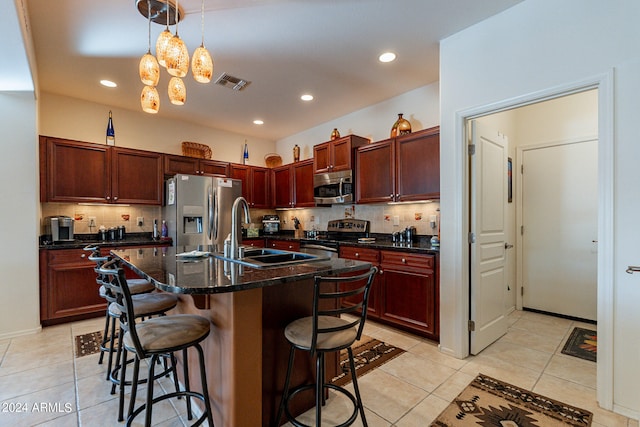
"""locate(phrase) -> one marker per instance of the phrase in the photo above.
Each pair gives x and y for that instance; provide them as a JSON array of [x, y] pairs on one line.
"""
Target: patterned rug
[[88, 343], [368, 356], [489, 402], [582, 343]]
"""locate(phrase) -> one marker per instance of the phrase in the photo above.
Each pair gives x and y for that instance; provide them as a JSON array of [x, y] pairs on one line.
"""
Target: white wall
[[533, 47], [419, 106], [19, 301], [71, 118]]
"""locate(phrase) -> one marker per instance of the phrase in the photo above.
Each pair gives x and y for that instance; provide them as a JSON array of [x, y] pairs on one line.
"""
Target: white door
[[560, 228], [488, 226]]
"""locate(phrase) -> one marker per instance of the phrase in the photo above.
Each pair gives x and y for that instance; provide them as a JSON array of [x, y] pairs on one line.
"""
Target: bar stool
[[325, 332], [155, 338]]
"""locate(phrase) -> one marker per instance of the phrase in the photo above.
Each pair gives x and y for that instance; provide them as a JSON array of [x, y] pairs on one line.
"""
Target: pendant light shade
[[150, 100], [149, 70], [177, 91], [202, 65], [177, 57], [161, 46]]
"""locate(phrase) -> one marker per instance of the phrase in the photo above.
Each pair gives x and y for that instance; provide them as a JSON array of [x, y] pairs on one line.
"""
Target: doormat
[[367, 356], [492, 403], [87, 344], [582, 343]]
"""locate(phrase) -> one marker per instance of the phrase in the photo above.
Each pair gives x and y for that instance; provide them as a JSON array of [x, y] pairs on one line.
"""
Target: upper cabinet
[[174, 164], [256, 184], [406, 168], [336, 155], [293, 185], [72, 171]]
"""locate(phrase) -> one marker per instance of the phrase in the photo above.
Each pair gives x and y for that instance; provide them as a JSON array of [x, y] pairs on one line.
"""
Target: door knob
[[633, 269]]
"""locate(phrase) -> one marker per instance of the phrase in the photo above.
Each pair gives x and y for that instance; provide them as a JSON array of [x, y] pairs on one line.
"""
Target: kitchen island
[[246, 352]]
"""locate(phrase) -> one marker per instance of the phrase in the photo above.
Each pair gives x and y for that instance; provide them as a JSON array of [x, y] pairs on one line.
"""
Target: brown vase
[[400, 127], [335, 134], [296, 153]]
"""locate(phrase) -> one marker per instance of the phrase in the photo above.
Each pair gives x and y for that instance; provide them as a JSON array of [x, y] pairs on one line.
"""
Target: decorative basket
[[272, 160], [193, 149]]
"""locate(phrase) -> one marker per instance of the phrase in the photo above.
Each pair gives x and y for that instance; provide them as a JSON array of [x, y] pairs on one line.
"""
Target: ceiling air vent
[[232, 82]]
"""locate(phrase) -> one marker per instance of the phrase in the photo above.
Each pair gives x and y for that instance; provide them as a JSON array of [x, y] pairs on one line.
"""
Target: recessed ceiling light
[[387, 57], [307, 97], [108, 83], [258, 122]]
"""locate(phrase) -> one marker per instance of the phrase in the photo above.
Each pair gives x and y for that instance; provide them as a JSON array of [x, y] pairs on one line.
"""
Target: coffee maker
[[60, 228]]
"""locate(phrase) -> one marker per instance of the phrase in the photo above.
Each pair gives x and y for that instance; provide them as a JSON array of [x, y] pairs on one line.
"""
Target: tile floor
[[42, 384]]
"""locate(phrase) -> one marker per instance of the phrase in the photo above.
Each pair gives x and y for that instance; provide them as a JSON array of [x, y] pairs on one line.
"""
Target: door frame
[[604, 83]]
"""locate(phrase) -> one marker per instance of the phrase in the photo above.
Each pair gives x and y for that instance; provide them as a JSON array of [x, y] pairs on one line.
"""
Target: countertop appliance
[[338, 230], [271, 224], [60, 228], [197, 209], [333, 187]]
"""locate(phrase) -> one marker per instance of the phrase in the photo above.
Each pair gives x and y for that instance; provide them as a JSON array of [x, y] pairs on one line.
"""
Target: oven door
[[324, 249]]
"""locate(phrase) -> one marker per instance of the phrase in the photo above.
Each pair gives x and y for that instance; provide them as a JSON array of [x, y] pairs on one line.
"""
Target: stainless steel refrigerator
[[198, 209]]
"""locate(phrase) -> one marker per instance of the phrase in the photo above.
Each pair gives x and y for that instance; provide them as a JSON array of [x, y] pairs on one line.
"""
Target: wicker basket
[[272, 160], [193, 149]]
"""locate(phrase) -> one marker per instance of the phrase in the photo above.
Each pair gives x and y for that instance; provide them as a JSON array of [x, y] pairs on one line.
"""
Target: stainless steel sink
[[264, 258]]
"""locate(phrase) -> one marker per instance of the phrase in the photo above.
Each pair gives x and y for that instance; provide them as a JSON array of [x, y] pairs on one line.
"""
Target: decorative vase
[[296, 153], [335, 134], [400, 127]]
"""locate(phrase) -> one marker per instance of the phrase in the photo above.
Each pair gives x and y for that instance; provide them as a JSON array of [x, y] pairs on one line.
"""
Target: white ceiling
[[284, 47]]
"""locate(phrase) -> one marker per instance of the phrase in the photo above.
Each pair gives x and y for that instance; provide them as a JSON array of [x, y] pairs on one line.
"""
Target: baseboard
[[563, 316], [23, 332]]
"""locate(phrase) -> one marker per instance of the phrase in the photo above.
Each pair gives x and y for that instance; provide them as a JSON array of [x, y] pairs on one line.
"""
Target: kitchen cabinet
[[253, 242], [293, 185], [406, 168], [284, 245], [409, 297], [256, 184], [336, 155], [174, 164], [367, 255], [76, 172]]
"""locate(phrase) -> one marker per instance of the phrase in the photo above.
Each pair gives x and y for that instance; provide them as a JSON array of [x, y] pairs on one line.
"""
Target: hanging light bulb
[[150, 100], [177, 56], [163, 40], [149, 69], [201, 63], [177, 91]]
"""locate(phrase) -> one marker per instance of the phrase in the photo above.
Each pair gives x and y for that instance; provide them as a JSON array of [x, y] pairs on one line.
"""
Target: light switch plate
[[396, 220], [140, 221]]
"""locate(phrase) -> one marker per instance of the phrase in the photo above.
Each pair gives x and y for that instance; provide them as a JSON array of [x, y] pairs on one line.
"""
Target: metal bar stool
[[155, 338], [325, 331]]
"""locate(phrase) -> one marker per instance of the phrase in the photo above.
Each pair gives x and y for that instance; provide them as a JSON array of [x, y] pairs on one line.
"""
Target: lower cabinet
[[253, 242], [405, 292], [285, 245]]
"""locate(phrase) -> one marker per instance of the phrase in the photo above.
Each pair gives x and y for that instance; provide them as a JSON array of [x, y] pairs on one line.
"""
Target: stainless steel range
[[338, 230]]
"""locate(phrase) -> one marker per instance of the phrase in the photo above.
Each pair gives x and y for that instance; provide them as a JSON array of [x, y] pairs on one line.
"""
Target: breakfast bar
[[246, 352]]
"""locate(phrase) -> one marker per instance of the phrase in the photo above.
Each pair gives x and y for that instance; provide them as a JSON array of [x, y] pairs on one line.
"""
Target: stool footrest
[[176, 394], [304, 387]]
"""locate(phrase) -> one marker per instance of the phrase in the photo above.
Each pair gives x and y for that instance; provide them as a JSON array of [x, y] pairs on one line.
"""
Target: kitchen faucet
[[235, 244]]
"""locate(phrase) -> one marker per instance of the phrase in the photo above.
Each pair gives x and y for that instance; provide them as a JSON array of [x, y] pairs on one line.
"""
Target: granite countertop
[[82, 240], [421, 245], [211, 275]]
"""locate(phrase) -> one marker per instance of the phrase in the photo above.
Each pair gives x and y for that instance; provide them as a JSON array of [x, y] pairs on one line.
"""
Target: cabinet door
[[76, 171], [341, 154], [367, 255], [418, 165], [260, 187], [303, 184], [375, 173], [214, 168], [242, 173], [285, 245], [174, 164], [282, 197], [137, 177], [322, 158], [253, 242]]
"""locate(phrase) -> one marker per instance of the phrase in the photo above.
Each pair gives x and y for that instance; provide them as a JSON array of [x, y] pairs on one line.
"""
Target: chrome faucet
[[235, 243]]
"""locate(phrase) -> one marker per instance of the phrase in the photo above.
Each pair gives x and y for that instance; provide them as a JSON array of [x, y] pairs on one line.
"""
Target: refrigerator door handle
[[210, 212]]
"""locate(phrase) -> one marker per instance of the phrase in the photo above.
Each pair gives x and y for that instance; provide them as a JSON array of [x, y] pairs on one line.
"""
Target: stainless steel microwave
[[333, 187]]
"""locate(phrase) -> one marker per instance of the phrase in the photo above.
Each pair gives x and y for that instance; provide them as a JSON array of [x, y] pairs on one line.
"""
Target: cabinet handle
[[115, 198], [108, 198], [381, 271], [290, 247], [391, 196], [83, 256], [398, 196], [404, 261], [357, 255]]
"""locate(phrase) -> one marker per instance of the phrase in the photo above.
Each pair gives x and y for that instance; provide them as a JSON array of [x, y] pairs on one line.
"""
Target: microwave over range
[[333, 187]]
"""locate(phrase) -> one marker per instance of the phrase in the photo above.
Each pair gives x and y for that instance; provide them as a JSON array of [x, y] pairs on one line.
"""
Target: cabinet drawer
[[360, 254], [406, 260], [71, 256]]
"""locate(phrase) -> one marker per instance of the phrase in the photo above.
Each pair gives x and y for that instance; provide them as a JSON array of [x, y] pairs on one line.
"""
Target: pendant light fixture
[[177, 91], [150, 100], [177, 55], [163, 40], [201, 63], [149, 69]]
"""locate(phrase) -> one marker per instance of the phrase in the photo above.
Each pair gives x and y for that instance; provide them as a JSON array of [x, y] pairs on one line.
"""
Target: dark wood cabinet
[[293, 185], [253, 242], [256, 184], [367, 255], [174, 164], [77, 172], [406, 168], [336, 155], [408, 292], [285, 245]]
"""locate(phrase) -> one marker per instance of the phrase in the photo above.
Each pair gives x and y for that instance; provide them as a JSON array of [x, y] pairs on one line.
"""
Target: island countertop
[[211, 275]]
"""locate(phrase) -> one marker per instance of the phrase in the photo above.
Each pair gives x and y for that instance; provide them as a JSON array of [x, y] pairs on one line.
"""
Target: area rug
[[582, 343], [367, 356], [88, 343], [489, 402]]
